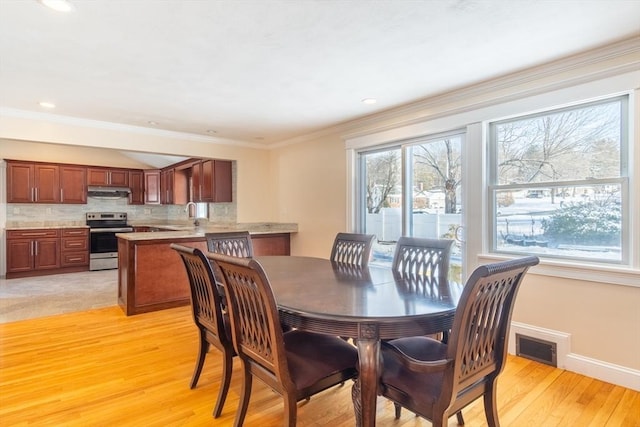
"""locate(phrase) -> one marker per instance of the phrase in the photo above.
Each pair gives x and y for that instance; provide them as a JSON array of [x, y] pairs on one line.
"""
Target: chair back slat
[[236, 244], [415, 257], [256, 331], [352, 248], [480, 330], [205, 300]]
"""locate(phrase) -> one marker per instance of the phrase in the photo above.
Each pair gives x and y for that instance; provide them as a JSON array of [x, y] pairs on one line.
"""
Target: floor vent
[[537, 349]]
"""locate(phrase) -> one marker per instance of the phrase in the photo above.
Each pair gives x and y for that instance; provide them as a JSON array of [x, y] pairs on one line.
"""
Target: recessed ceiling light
[[152, 123], [211, 131], [58, 5], [46, 104], [369, 101]]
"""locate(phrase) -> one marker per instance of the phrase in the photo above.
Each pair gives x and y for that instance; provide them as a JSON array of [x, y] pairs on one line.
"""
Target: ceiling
[[266, 71]]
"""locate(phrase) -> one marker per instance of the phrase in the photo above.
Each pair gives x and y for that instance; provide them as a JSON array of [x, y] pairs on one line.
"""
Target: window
[[413, 190], [558, 183]]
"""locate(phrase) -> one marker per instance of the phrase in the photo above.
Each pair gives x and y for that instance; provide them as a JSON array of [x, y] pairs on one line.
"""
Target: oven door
[[103, 240], [104, 247]]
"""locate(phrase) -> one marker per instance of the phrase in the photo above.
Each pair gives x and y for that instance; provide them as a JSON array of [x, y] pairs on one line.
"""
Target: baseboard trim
[[598, 369], [604, 371]]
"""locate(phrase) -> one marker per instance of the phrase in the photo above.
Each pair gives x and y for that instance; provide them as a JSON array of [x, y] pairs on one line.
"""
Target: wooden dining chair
[[213, 325], [415, 256], [235, 243], [296, 364], [436, 380], [352, 248]]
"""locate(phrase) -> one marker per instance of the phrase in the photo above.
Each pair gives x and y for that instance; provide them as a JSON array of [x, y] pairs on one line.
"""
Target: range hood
[[101, 192]]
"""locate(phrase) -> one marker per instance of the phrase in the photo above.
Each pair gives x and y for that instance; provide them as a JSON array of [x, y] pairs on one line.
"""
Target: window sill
[[615, 275]]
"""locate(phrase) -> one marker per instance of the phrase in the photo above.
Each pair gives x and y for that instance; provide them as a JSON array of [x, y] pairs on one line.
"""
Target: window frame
[[623, 180], [405, 147], [474, 116]]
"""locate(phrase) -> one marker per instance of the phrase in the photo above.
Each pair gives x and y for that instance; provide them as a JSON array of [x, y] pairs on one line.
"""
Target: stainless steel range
[[103, 227]]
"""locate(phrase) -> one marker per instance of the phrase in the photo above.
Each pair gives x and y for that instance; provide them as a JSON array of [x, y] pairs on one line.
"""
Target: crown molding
[[118, 127], [524, 83], [527, 82]]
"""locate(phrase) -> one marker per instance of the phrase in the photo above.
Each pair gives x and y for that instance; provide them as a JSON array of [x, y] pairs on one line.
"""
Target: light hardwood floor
[[101, 368]]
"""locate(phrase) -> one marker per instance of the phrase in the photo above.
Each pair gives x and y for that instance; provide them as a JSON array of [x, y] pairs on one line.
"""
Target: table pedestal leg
[[367, 383]]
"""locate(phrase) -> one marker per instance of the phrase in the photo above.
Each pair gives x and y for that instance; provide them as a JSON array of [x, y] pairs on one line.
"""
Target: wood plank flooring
[[101, 368]]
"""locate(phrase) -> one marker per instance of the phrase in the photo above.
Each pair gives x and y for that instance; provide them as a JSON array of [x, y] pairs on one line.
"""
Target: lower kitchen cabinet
[[75, 247], [37, 252], [152, 277], [32, 250], [271, 244]]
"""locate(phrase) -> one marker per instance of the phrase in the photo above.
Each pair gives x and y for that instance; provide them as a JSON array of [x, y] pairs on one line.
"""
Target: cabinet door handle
[[31, 250], [36, 246], [61, 195], [75, 244], [33, 234]]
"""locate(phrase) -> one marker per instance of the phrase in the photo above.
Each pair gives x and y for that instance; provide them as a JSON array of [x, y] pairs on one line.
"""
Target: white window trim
[[476, 202]]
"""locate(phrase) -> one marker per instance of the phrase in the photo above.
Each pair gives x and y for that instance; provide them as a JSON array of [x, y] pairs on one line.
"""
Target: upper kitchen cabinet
[[108, 177], [73, 184], [173, 186], [167, 185], [152, 187], [136, 183], [211, 181], [29, 182]]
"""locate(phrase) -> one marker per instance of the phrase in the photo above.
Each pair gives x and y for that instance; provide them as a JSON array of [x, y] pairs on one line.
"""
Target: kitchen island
[[151, 275]]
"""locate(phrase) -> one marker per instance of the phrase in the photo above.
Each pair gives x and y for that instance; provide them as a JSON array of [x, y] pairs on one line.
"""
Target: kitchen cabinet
[[151, 277], [211, 181], [271, 244], [37, 252], [32, 250], [29, 182], [167, 177], [152, 187], [74, 243], [108, 176], [136, 183], [173, 187], [73, 184]]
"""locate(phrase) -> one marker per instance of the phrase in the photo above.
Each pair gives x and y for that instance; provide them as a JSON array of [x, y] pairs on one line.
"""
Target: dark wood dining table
[[366, 304]]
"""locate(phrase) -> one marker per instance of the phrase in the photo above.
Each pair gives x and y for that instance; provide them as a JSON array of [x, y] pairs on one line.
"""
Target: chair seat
[[425, 388], [312, 357]]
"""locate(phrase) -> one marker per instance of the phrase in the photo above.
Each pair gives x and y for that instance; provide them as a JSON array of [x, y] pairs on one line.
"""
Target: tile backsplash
[[34, 214]]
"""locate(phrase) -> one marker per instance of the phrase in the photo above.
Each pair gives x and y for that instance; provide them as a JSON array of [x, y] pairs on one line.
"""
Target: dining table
[[367, 304]]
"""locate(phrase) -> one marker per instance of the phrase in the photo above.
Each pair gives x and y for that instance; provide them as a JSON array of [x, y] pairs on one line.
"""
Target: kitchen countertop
[[185, 231], [46, 225], [169, 227]]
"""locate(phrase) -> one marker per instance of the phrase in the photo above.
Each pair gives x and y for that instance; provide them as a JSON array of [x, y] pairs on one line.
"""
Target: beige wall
[[310, 183], [56, 153], [603, 319]]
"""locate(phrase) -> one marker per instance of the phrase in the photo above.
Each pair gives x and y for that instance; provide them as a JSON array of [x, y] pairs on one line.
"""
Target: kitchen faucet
[[195, 212]]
